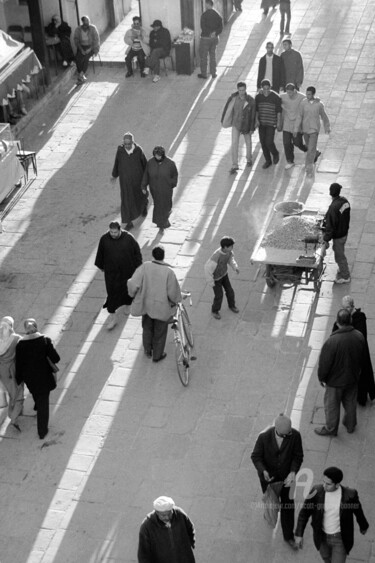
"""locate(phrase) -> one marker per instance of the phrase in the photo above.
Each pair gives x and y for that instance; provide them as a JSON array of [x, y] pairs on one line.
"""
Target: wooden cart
[[303, 265]]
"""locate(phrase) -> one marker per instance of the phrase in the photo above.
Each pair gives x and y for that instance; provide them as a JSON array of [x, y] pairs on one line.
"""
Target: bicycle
[[183, 339]]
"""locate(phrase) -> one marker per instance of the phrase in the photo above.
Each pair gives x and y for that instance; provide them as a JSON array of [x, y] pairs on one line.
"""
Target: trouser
[[82, 60], [220, 285], [332, 549], [154, 336], [42, 412], [153, 60], [16, 398], [333, 397], [290, 141], [267, 140], [207, 47], [285, 11], [235, 142], [311, 141], [338, 245], [140, 56]]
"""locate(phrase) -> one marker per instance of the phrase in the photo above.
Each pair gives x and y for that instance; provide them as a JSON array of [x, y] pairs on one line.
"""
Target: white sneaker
[[156, 78], [146, 70], [289, 165], [112, 321], [65, 63], [342, 280]]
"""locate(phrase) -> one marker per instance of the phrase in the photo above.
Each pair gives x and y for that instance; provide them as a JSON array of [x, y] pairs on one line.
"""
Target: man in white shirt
[[331, 507]]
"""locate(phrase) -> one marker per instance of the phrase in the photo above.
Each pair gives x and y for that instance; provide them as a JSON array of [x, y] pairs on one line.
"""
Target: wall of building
[[165, 10]]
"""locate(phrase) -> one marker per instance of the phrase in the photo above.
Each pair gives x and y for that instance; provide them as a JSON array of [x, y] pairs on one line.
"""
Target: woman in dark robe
[[62, 30], [366, 384], [161, 176], [129, 167]]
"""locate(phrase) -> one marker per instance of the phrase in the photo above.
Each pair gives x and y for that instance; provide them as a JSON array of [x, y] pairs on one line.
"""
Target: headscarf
[[163, 504], [129, 135], [160, 151], [6, 333]]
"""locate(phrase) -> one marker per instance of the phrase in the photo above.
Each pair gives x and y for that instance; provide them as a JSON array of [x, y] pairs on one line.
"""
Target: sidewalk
[[123, 430]]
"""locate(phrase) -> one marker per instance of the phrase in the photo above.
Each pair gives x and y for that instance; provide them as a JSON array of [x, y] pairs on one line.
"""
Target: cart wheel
[[270, 282]]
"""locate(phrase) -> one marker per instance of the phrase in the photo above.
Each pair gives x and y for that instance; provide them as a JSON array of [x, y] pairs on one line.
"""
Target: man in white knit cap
[[166, 534]]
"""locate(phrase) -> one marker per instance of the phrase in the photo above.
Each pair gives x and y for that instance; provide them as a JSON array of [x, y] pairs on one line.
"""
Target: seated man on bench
[[160, 45], [137, 40]]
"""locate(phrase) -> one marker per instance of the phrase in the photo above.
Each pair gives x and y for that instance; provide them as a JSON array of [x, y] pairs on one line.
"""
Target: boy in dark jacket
[[337, 221], [239, 113], [160, 45]]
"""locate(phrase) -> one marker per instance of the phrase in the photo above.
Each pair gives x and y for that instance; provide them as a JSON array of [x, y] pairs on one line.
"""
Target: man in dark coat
[[277, 456], [62, 30], [337, 221], [118, 257], [161, 176], [166, 535], [331, 507], [239, 113], [271, 66], [211, 26], [130, 164], [34, 352], [160, 45], [366, 384], [340, 366]]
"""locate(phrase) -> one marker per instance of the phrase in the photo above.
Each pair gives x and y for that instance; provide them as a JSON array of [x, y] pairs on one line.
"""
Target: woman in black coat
[[366, 384], [34, 354]]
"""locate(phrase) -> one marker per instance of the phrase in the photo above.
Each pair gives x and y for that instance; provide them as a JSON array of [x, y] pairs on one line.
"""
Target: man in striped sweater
[[268, 118]]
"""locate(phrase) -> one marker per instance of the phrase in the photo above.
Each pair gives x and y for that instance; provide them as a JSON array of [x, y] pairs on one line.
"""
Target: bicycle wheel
[[187, 325], [182, 360]]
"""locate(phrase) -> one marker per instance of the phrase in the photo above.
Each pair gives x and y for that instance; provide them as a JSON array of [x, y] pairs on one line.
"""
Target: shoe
[[129, 226], [112, 321], [41, 436], [266, 165], [216, 315], [276, 159], [249, 163], [204, 76], [292, 544], [342, 280], [146, 71], [156, 78], [128, 74], [214, 75], [148, 354], [317, 155], [322, 431], [162, 357], [143, 75], [234, 309], [233, 170], [83, 78], [16, 426], [65, 63], [289, 165]]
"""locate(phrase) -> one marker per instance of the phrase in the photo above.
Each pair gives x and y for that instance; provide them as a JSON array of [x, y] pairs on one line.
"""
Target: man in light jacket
[[87, 41], [239, 113], [311, 111], [290, 103], [156, 292], [137, 40]]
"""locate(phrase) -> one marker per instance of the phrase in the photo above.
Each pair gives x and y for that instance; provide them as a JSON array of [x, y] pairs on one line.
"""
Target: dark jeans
[[285, 11], [154, 336], [82, 60], [333, 397], [286, 510], [42, 412], [207, 47], [332, 550], [289, 142], [267, 140], [338, 245], [220, 285], [153, 60], [140, 56]]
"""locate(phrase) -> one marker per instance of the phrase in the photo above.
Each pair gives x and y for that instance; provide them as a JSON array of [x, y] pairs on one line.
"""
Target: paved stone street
[[123, 430]]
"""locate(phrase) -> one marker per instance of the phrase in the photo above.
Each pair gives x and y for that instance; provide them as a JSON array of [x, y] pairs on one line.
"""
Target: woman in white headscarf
[[8, 343]]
